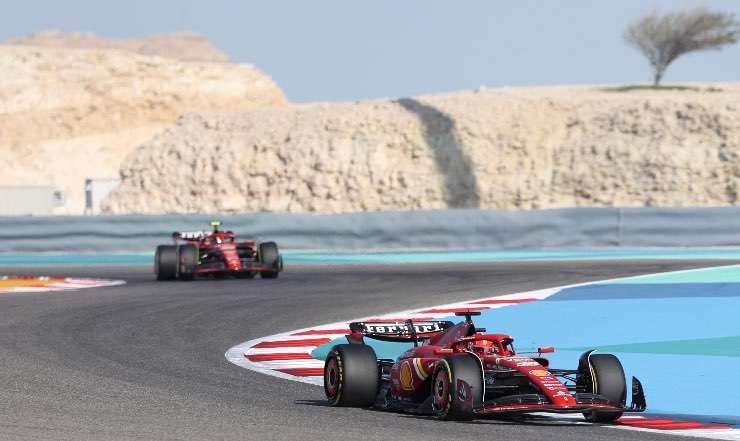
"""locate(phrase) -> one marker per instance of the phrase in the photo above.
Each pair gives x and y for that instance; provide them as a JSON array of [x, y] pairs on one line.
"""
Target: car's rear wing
[[396, 331], [189, 235]]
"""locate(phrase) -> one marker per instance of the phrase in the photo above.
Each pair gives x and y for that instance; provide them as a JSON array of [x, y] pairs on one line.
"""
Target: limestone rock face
[[501, 148], [67, 115], [183, 46]]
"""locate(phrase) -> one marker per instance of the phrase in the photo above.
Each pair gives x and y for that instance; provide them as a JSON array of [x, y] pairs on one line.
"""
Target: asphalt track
[[146, 360]]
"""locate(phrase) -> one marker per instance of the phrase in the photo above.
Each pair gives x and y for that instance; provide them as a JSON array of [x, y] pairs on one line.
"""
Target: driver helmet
[[482, 346]]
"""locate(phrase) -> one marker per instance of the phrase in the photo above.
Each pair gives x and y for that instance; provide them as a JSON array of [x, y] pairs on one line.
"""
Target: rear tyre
[[351, 376], [270, 258], [187, 258], [449, 401], [165, 262], [606, 378]]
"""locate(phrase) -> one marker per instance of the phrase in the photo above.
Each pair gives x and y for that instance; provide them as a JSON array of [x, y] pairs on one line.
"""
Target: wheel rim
[[330, 377], [441, 389]]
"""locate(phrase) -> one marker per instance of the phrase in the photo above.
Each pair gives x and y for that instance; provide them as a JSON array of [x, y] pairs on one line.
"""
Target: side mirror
[[545, 350]]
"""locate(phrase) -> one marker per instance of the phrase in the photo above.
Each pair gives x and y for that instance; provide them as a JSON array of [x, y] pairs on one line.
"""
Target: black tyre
[[165, 262], [449, 401], [351, 376], [187, 259], [270, 257], [606, 378]]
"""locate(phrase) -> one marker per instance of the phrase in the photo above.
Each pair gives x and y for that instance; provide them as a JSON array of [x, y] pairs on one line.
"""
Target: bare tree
[[663, 38]]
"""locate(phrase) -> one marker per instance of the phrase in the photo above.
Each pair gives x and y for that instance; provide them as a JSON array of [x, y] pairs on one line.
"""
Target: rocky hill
[[501, 148], [71, 114], [183, 46]]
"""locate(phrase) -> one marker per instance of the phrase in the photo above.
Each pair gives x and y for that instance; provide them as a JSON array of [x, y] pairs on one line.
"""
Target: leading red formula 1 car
[[217, 253], [458, 372]]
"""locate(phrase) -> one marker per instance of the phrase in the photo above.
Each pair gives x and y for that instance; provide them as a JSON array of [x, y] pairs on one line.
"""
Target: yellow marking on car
[[419, 367]]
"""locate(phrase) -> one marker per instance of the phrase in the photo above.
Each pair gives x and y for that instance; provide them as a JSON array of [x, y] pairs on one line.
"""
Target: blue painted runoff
[[690, 381], [647, 291], [10, 260]]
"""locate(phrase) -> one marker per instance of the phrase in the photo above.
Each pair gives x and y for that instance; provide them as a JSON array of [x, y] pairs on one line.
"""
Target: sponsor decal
[[407, 380], [539, 373], [384, 329], [401, 328], [192, 235], [422, 328], [518, 361]]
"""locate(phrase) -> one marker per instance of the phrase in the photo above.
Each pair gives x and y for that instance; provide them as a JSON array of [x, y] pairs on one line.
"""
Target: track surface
[[146, 360]]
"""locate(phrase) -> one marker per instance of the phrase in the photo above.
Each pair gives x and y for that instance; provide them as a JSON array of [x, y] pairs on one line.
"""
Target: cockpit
[[489, 346]]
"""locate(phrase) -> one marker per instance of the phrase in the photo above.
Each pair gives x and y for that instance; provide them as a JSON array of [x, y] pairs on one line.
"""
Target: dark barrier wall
[[453, 229]]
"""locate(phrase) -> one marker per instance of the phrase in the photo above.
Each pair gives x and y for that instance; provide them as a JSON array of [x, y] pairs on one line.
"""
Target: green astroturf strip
[[720, 346], [730, 274]]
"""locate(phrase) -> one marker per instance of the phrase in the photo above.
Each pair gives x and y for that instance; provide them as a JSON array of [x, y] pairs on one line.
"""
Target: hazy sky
[[344, 50]]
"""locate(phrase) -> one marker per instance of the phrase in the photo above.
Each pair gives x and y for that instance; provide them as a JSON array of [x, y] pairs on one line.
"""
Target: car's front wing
[[224, 269], [585, 402], [488, 409]]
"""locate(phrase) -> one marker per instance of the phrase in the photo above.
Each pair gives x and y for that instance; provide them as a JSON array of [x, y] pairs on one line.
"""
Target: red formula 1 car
[[217, 253], [458, 372]]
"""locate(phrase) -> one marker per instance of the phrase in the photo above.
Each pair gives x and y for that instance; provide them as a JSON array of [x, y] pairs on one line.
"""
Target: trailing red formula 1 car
[[458, 372], [216, 253]]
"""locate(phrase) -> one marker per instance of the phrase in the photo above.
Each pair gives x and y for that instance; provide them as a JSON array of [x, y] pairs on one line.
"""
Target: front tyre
[[165, 262], [351, 376], [606, 378], [270, 258], [451, 399]]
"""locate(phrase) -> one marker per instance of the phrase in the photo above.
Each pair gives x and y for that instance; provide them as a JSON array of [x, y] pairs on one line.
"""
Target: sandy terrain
[[71, 114]]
